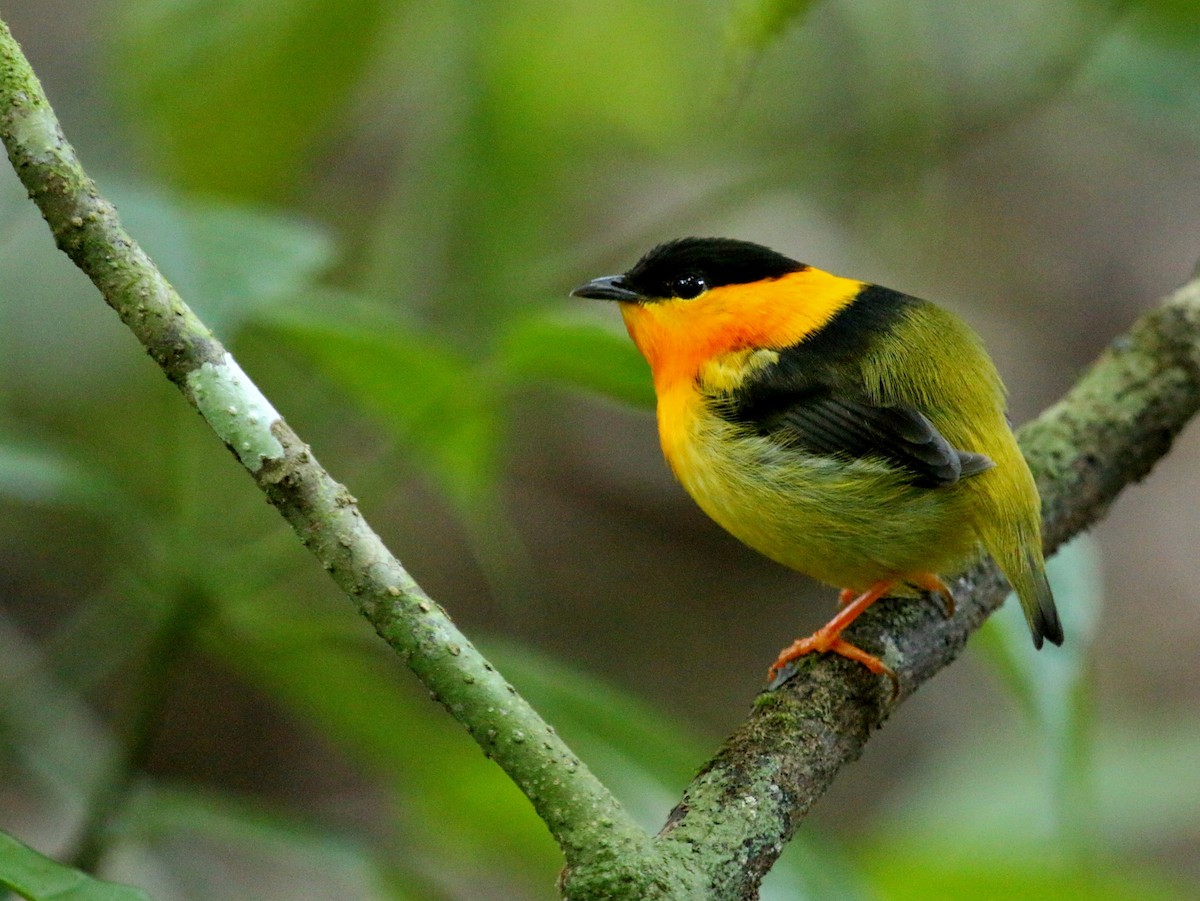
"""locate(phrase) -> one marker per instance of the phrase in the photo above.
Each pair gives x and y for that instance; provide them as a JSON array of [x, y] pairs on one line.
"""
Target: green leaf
[[1151, 68], [38, 878], [918, 874], [60, 345], [1053, 685], [628, 105], [579, 355], [541, 101], [274, 852], [756, 23], [49, 730], [328, 667], [441, 404], [35, 474], [983, 794], [228, 261], [235, 95], [1047, 681], [1172, 21]]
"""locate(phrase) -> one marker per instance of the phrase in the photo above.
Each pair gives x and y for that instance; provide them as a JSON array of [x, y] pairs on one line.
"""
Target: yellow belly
[[846, 523]]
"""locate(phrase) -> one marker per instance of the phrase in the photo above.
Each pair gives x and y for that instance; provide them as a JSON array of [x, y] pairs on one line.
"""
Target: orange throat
[[677, 337], [708, 340]]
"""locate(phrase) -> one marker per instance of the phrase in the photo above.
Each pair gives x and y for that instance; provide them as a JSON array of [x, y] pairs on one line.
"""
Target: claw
[[829, 638], [935, 586]]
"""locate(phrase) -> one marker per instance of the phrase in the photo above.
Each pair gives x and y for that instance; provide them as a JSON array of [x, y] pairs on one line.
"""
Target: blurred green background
[[381, 207]]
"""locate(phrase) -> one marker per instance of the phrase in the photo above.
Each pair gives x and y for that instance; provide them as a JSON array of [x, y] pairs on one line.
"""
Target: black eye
[[688, 286]]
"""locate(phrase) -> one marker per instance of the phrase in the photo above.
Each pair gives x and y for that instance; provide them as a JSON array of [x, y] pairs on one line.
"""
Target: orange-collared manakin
[[848, 431]]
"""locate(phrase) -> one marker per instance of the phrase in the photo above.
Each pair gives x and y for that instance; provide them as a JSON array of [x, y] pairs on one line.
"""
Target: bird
[[851, 432]]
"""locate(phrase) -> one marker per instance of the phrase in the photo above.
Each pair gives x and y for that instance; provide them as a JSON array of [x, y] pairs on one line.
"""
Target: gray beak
[[608, 287]]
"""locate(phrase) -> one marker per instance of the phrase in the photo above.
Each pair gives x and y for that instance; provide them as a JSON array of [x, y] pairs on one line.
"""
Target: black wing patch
[[823, 423], [811, 398]]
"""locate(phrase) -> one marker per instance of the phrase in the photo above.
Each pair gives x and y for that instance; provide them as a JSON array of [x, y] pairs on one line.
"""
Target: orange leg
[[828, 638]]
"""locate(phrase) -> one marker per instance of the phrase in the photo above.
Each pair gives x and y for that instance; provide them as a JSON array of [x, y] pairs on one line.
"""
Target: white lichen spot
[[891, 652], [34, 127], [237, 411]]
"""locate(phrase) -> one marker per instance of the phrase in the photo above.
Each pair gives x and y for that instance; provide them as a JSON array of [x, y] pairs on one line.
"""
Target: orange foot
[[829, 636]]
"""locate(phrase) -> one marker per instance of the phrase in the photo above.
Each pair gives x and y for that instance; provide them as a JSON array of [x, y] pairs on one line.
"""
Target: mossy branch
[[747, 801]]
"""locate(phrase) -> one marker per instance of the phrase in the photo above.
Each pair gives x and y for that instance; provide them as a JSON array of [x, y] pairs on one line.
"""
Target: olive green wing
[[814, 399]]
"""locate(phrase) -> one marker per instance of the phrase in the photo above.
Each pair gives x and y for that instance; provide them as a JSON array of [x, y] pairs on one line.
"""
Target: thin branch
[[585, 819], [1110, 429]]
